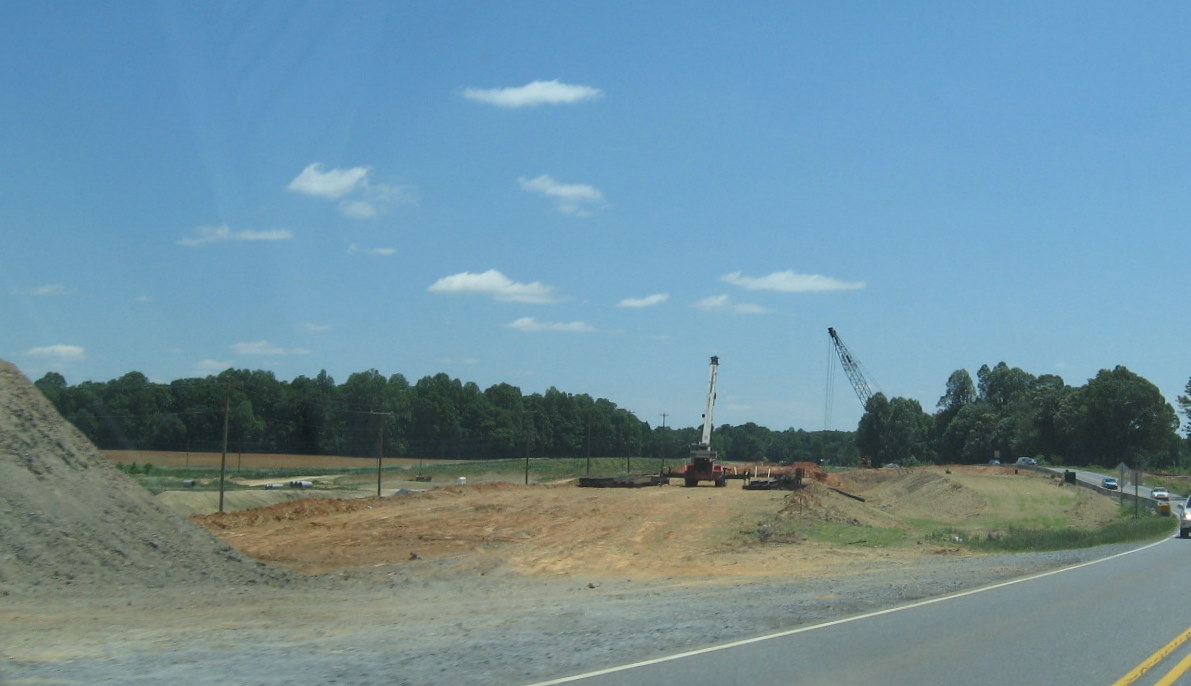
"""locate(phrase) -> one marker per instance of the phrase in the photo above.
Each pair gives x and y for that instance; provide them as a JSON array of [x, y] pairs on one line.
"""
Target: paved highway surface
[[1097, 623]]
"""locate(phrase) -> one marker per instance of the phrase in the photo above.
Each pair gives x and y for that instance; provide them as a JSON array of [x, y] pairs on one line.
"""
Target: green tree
[[960, 393], [1185, 404], [894, 430], [1122, 416], [52, 385], [1001, 385], [318, 411], [872, 429], [508, 407], [969, 437]]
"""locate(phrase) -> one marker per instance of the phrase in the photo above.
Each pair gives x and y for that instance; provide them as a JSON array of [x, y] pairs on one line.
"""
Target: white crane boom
[[702, 465], [707, 423]]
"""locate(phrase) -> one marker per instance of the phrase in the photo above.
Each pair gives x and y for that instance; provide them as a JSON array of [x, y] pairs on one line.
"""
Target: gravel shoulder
[[384, 628]]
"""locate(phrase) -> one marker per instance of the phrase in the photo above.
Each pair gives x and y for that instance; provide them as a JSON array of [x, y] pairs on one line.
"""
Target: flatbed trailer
[[626, 481]]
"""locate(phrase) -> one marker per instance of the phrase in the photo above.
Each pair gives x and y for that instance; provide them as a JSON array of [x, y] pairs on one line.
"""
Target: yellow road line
[[1174, 674], [1153, 660]]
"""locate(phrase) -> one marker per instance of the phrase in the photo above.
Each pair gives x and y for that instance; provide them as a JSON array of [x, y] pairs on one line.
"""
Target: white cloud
[[212, 366], [358, 209], [205, 235], [722, 303], [530, 324], [353, 249], [790, 281], [331, 185], [533, 94], [58, 352], [49, 289], [376, 198], [310, 327], [572, 198], [647, 301], [266, 348], [366, 199], [496, 285], [144, 298]]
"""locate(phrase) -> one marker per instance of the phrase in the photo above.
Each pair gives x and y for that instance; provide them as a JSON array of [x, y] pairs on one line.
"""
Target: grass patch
[[1126, 529], [844, 534], [545, 468], [776, 530], [157, 479]]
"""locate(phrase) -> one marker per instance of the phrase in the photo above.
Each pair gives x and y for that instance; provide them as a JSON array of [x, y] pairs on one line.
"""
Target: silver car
[[1185, 520]]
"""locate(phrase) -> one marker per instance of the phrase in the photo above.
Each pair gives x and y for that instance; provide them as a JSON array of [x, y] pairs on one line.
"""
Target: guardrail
[[1124, 494]]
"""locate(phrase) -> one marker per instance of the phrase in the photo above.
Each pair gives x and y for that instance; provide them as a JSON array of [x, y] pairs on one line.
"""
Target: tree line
[[438, 417], [1117, 416]]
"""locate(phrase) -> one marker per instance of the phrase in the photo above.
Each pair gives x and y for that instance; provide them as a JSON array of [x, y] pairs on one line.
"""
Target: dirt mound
[[822, 504], [70, 518]]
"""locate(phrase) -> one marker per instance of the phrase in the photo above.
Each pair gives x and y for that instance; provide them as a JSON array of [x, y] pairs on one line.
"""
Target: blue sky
[[598, 196]]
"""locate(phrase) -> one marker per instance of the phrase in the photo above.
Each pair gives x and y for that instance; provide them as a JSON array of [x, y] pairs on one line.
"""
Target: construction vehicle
[[702, 464], [855, 374]]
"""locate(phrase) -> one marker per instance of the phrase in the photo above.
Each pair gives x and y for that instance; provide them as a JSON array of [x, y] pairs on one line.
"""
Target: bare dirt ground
[[496, 583], [645, 533]]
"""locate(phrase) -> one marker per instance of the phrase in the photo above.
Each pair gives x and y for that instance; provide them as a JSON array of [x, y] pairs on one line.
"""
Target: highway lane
[[1091, 624], [1126, 486]]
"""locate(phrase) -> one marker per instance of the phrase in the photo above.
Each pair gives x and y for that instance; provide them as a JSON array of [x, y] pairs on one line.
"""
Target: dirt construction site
[[489, 582]]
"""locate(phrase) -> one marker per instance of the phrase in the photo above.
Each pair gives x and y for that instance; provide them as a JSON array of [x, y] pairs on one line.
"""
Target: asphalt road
[[1126, 486], [1092, 624]]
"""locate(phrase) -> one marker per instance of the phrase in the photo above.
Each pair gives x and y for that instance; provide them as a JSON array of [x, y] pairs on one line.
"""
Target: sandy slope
[[70, 518]]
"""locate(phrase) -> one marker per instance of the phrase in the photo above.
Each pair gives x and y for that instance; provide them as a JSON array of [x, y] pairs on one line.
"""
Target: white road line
[[836, 622]]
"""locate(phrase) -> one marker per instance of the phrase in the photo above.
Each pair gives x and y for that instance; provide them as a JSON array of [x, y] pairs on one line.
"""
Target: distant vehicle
[[1159, 493], [893, 465], [1109, 483], [994, 462], [1185, 520], [1027, 460]]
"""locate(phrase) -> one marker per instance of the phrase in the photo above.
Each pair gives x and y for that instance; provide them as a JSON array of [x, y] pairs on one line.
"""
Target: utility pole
[[523, 428], [227, 404], [380, 444], [589, 441], [664, 415]]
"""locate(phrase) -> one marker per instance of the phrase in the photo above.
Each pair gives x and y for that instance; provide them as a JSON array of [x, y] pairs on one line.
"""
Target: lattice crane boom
[[851, 368]]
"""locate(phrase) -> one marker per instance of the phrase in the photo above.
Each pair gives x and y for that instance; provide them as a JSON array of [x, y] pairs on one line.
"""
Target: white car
[[1159, 493], [1185, 520]]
